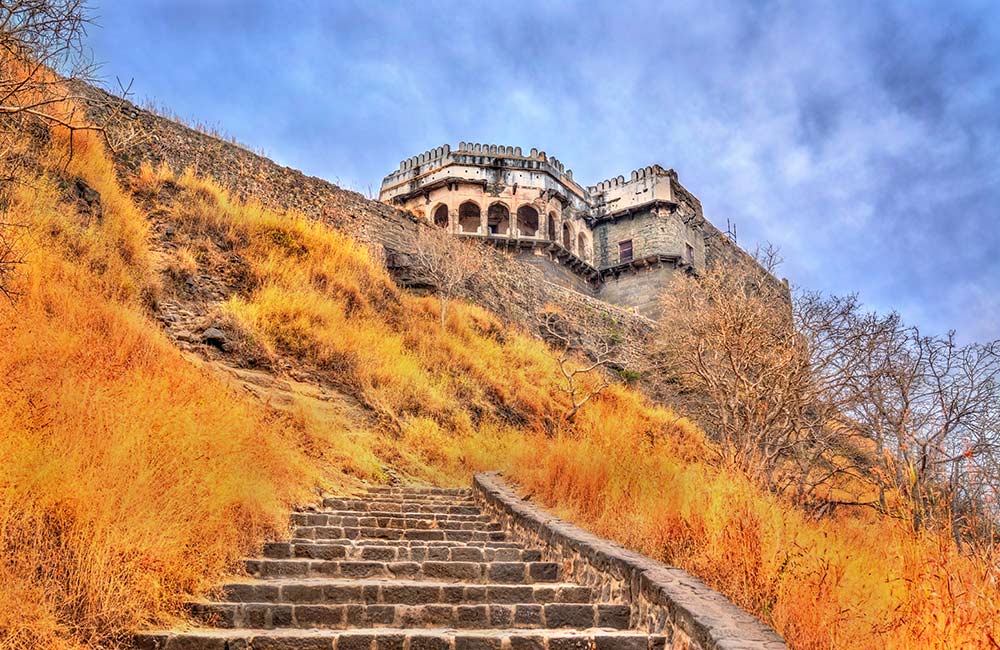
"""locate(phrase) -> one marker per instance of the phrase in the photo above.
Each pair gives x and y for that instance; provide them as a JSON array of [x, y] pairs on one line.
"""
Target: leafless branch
[[579, 384]]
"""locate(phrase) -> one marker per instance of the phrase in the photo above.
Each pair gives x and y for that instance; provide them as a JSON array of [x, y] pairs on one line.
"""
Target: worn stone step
[[436, 516], [432, 491], [398, 521], [325, 616], [407, 543], [396, 505], [405, 592], [421, 497], [385, 553], [370, 532], [493, 572], [382, 639]]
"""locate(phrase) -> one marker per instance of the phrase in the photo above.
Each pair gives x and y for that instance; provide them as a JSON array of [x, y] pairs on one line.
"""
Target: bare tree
[[929, 407], [42, 61], [729, 338], [446, 262], [582, 381], [42, 65]]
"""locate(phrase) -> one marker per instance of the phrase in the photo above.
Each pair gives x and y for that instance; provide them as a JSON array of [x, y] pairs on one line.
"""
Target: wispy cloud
[[861, 138]]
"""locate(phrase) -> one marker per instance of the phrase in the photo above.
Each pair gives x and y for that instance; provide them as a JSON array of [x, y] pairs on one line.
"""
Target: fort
[[620, 240]]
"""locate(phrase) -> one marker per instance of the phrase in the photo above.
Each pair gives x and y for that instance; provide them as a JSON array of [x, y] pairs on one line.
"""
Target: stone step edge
[[411, 615], [457, 516], [497, 572], [385, 553], [374, 591], [403, 543], [414, 639], [396, 523]]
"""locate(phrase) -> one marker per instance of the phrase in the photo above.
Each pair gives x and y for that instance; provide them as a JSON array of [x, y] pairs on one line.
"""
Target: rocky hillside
[[516, 292]]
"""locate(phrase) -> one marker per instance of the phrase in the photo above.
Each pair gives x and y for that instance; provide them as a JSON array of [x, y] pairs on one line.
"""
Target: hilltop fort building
[[620, 240]]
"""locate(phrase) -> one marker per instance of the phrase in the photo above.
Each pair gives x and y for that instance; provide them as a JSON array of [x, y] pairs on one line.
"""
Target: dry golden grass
[[124, 482], [123, 468], [480, 395]]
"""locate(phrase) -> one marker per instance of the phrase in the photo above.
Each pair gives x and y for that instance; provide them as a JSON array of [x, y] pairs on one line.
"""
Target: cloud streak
[[863, 139]]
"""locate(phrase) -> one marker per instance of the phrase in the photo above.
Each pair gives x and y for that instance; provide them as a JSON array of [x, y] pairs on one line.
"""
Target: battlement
[[647, 185], [481, 163], [623, 237]]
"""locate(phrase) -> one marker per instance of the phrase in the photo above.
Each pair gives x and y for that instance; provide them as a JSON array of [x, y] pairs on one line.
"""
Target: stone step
[[397, 505], [398, 521], [385, 553], [407, 543], [368, 532], [491, 572], [416, 497], [381, 639], [338, 617], [431, 491], [436, 516], [403, 592]]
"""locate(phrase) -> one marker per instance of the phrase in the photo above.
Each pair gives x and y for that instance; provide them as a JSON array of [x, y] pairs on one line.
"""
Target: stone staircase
[[404, 569]]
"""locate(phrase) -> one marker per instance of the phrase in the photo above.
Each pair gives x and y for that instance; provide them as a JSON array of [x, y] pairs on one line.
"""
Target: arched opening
[[498, 219], [441, 216], [552, 226], [581, 247], [468, 217], [567, 237], [527, 221]]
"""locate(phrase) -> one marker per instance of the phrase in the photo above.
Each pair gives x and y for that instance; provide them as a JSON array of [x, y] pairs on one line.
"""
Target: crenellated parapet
[[644, 187], [624, 235], [411, 167], [488, 164]]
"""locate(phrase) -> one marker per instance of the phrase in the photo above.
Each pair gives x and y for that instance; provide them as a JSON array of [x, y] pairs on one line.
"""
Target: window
[[625, 251], [441, 216], [689, 254], [468, 217]]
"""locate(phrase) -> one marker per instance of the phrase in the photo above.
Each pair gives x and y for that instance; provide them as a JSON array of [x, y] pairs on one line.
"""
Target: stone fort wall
[[624, 238]]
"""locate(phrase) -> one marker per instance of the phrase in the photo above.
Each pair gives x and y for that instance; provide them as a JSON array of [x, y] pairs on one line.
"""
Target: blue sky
[[861, 138]]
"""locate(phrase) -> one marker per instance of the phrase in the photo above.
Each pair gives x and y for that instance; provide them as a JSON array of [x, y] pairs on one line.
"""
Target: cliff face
[[516, 291]]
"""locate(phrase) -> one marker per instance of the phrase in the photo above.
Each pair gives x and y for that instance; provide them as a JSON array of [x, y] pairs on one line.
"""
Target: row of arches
[[527, 222]]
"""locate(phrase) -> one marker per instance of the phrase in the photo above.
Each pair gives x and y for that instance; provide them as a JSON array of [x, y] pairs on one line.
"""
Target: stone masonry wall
[[556, 273], [651, 232], [663, 599], [640, 288]]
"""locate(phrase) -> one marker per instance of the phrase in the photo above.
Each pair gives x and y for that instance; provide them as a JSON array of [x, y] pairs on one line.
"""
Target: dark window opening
[[625, 251], [468, 217], [689, 254], [441, 216], [498, 219], [527, 221]]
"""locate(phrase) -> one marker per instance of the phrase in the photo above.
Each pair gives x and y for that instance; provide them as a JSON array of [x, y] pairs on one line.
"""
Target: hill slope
[[134, 443]]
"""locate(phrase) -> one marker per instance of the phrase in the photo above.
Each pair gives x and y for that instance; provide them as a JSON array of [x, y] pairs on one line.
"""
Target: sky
[[860, 138]]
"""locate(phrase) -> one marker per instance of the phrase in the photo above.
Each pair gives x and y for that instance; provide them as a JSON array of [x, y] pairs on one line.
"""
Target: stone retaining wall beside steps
[[664, 600]]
